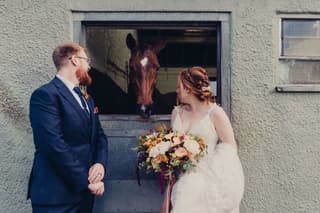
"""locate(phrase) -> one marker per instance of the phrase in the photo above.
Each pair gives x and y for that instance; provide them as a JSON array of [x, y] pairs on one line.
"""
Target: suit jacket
[[67, 143]]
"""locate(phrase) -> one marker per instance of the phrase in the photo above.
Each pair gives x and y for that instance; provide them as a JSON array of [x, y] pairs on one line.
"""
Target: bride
[[216, 184]]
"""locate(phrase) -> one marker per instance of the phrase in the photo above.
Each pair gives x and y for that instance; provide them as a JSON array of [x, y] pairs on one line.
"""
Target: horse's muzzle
[[144, 110]]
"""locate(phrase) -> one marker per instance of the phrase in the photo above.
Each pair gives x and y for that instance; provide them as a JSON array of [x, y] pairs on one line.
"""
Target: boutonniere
[[84, 92], [86, 96], [95, 110]]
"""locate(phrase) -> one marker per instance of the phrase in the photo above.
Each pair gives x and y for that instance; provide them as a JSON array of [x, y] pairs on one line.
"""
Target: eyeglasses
[[87, 59], [84, 58]]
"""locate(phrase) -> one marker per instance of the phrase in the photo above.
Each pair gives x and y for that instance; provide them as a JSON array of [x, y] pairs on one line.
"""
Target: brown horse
[[144, 66]]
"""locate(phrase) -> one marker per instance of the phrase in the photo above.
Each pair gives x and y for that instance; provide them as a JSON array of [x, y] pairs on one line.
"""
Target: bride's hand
[[96, 188]]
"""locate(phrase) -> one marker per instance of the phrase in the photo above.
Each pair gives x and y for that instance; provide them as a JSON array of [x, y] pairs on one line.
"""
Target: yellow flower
[[161, 128]]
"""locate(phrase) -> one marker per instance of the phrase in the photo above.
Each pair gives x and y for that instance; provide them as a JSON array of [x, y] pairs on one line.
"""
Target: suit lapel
[[64, 91], [92, 117]]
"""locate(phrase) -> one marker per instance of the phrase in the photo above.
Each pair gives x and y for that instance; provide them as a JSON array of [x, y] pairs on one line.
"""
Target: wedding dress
[[216, 185]]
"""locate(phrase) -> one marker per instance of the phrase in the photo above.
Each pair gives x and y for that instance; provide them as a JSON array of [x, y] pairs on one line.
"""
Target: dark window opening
[[188, 44], [184, 48]]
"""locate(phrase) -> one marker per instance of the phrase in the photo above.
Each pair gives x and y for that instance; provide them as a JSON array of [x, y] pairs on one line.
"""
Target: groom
[[70, 146]]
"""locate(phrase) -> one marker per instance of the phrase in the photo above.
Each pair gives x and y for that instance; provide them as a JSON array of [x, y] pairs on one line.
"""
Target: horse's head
[[143, 73]]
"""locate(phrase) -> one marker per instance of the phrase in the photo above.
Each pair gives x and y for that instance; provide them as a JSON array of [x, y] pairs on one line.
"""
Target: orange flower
[[181, 152], [157, 159], [164, 159], [153, 143], [201, 144], [86, 96], [147, 144]]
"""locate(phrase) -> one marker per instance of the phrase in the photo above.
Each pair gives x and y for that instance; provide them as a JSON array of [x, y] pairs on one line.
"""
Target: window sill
[[299, 58], [303, 88]]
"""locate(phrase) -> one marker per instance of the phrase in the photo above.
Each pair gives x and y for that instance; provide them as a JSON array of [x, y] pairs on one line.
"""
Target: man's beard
[[83, 77]]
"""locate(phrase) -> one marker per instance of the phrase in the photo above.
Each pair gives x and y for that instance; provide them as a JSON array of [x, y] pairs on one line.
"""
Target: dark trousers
[[84, 206]]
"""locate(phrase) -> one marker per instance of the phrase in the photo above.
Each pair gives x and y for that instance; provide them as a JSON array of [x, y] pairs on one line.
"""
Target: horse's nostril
[[144, 111]]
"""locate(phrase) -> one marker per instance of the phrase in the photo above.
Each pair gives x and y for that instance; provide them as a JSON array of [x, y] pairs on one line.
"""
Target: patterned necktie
[[79, 93]]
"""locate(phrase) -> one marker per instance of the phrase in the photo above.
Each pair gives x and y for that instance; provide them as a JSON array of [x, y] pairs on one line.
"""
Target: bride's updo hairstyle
[[196, 80]]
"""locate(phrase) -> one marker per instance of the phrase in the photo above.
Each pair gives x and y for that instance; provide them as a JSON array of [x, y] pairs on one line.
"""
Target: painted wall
[[278, 133]]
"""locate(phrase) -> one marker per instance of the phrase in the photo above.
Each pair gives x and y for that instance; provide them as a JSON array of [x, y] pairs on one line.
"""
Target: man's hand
[[96, 173], [96, 188]]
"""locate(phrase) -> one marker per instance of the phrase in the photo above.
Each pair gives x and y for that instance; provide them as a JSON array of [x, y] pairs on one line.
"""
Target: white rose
[[159, 149], [154, 152], [192, 146], [163, 147]]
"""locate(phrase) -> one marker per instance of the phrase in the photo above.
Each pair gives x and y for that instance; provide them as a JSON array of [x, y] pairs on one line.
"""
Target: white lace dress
[[216, 185]]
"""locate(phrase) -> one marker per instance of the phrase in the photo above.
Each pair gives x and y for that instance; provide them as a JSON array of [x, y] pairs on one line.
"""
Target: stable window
[[300, 53], [192, 44], [188, 33]]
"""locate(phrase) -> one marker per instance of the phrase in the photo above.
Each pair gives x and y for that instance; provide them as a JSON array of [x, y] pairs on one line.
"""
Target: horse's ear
[[131, 42], [157, 47]]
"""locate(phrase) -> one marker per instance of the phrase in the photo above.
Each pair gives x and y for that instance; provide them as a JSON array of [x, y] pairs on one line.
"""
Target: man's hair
[[63, 52]]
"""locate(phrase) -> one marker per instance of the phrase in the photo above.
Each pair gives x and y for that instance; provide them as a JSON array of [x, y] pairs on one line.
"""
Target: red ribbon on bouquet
[[162, 181], [166, 205]]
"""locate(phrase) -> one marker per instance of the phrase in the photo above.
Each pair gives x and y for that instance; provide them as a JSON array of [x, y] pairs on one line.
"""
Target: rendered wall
[[278, 133]]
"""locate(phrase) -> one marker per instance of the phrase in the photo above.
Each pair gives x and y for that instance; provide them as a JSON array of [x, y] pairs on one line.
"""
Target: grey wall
[[29, 32], [278, 133]]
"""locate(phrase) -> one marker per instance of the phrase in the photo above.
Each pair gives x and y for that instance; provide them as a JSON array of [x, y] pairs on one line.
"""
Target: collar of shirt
[[68, 83], [70, 86]]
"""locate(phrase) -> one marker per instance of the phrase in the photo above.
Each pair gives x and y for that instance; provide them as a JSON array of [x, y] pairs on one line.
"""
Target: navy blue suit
[[67, 142]]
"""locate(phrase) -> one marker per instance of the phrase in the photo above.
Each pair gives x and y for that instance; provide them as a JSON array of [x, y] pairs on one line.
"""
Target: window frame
[[288, 87], [82, 18]]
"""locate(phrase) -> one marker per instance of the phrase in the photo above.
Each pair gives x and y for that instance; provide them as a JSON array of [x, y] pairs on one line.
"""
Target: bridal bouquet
[[167, 152]]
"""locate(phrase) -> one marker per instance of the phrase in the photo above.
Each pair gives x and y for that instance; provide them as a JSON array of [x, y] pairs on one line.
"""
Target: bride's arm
[[223, 126]]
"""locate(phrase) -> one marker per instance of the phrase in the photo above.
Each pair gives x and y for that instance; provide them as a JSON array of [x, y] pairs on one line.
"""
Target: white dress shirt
[[70, 86]]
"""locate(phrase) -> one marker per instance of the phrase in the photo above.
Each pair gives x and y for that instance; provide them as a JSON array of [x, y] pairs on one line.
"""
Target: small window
[[300, 51]]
